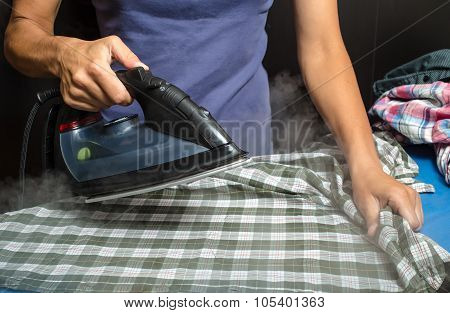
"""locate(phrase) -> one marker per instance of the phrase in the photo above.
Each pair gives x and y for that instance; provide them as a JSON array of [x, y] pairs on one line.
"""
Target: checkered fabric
[[418, 114], [283, 223]]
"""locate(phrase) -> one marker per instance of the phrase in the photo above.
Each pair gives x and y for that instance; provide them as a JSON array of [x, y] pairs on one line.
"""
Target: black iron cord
[[42, 97]]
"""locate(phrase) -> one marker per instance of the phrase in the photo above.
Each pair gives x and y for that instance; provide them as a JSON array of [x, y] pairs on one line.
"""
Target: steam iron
[[179, 142]]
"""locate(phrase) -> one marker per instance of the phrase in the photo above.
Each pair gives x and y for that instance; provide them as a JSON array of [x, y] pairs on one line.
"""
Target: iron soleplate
[[189, 179]]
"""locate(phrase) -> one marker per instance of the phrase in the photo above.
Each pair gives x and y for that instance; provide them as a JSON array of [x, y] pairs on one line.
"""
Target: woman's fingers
[[113, 88], [402, 203], [87, 98], [80, 99], [80, 105], [90, 91], [370, 210], [418, 208]]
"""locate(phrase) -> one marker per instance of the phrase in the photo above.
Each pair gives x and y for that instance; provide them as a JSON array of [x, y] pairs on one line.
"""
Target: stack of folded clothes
[[414, 103]]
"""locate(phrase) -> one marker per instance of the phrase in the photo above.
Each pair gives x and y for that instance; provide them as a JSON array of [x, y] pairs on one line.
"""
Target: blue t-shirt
[[211, 49]]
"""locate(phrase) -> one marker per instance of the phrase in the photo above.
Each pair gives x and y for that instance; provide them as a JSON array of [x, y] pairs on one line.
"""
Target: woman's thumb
[[122, 54]]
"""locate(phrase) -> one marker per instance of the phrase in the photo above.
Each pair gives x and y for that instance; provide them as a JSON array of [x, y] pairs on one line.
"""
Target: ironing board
[[436, 206]]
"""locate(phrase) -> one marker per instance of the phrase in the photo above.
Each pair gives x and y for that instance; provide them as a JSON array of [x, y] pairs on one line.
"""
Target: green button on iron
[[84, 154]]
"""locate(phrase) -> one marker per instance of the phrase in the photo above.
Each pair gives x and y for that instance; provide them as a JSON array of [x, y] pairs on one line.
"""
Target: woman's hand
[[87, 81], [84, 67], [373, 190]]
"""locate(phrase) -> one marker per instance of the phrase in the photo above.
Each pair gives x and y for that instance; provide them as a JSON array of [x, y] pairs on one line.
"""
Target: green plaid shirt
[[283, 223]]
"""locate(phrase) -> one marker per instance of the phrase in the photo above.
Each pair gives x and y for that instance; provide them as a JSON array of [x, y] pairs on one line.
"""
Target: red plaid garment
[[421, 114]]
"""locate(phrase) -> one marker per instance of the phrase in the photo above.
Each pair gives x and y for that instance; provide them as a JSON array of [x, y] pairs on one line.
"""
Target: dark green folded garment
[[427, 69]]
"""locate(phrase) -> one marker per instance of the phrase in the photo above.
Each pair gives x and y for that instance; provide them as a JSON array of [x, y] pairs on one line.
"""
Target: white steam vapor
[[293, 114], [38, 190]]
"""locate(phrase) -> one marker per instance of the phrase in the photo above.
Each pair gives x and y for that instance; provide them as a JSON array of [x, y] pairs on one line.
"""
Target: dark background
[[380, 34]]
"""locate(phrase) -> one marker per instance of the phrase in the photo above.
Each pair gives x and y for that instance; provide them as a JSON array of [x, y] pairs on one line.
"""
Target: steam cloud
[[38, 190], [293, 114]]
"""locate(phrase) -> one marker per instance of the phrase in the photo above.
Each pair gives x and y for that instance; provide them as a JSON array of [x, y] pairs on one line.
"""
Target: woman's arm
[[29, 42], [329, 75], [87, 80]]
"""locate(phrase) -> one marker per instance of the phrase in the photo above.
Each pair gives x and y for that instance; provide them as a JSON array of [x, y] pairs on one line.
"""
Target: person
[[213, 50]]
